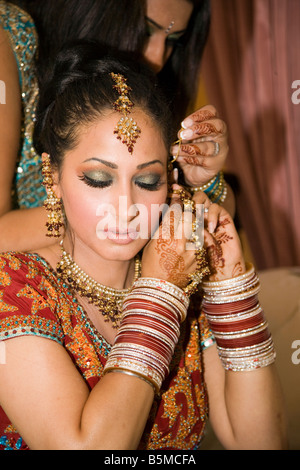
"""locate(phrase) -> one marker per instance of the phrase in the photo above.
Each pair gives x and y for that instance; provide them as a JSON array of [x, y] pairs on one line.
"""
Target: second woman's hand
[[204, 146]]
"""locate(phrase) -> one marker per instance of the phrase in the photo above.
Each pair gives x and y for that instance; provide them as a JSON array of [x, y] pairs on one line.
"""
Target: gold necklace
[[107, 299]]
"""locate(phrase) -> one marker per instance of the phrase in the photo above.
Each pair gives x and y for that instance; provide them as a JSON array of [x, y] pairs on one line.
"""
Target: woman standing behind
[[30, 39]]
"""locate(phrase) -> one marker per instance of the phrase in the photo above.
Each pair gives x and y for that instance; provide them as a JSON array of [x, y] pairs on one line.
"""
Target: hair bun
[[73, 63], [81, 60], [79, 88]]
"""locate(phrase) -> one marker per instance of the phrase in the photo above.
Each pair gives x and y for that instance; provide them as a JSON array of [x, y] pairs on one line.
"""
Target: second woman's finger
[[213, 127]]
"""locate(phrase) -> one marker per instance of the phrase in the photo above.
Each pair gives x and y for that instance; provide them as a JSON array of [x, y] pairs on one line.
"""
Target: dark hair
[[81, 89], [120, 25], [180, 75], [117, 25]]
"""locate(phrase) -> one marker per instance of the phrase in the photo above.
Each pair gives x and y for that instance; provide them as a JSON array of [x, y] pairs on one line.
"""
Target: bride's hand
[[222, 243], [168, 255]]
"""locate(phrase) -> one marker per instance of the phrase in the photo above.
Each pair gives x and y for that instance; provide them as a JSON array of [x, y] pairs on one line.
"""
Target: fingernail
[[211, 227], [175, 175], [188, 122], [186, 134]]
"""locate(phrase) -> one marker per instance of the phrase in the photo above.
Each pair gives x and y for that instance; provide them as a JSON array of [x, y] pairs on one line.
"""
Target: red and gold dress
[[34, 301]]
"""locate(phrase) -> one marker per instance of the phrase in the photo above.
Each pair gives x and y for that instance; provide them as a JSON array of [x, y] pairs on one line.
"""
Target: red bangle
[[149, 331], [243, 324], [244, 342], [230, 308]]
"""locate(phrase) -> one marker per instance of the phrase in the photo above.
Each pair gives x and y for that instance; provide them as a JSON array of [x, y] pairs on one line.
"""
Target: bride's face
[[111, 197]]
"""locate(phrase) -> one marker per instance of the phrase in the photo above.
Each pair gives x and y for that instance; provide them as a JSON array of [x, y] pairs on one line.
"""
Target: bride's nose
[[126, 209]]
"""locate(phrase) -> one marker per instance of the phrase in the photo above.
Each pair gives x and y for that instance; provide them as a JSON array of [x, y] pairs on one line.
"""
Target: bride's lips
[[121, 235]]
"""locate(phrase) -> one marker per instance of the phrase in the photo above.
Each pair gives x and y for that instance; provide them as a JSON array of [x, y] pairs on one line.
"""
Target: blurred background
[[251, 74]]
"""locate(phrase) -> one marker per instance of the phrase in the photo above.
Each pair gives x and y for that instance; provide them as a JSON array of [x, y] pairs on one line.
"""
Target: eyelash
[[170, 41], [100, 184], [94, 183], [150, 187]]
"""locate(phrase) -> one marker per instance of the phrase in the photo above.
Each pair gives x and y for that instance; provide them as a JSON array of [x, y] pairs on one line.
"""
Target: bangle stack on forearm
[[238, 323], [149, 331]]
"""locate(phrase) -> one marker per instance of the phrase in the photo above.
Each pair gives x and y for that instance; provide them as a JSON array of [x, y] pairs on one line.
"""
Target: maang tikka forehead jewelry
[[127, 129]]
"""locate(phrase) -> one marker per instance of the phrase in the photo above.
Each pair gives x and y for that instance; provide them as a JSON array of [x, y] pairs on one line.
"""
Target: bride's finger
[[212, 216]]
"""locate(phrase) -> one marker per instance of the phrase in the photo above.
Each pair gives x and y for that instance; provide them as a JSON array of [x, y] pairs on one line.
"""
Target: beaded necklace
[[108, 300]]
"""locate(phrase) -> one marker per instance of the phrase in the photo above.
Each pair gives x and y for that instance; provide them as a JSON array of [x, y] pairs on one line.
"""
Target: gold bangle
[[129, 365], [133, 374]]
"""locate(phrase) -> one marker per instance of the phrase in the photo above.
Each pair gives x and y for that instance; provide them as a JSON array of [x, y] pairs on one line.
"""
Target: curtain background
[[251, 60]]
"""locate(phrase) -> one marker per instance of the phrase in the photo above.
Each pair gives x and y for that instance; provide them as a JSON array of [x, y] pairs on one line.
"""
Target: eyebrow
[[109, 164], [145, 165], [161, 27], [115, 167]]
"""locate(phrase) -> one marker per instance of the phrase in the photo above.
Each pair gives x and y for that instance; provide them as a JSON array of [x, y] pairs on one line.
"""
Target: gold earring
[[52, 204]]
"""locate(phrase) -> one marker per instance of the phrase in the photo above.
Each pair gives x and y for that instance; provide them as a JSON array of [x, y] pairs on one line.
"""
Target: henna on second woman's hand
[[192, 150], [203, 115], [205, 128]]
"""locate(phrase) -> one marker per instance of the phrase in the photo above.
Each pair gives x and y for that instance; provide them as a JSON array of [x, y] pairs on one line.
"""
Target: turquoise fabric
[[28, 190]]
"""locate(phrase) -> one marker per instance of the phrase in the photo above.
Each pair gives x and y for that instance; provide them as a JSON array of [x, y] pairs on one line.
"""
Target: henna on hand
[[203, 115], [206, 128], [195, 161], [171, 263], [165, 256], [238, 269], [216, 260], [220, 266], [192, 150]]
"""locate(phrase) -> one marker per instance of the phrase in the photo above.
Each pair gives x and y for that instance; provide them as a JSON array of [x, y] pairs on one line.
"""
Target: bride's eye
[[149, 182], [96, 179]]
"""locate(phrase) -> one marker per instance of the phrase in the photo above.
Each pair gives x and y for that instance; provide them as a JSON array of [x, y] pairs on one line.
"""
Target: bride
[[109, 343]]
